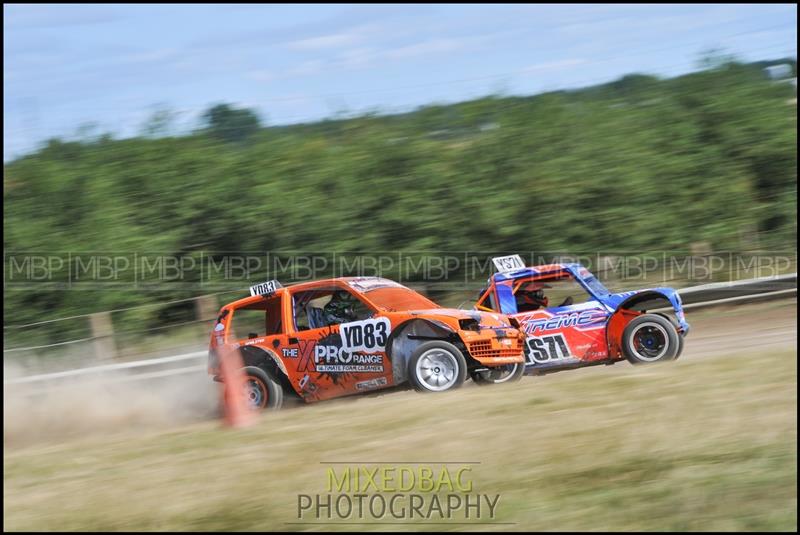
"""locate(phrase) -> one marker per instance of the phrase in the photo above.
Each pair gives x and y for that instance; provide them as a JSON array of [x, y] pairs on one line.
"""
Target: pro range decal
[[332, 359], [329, 359]]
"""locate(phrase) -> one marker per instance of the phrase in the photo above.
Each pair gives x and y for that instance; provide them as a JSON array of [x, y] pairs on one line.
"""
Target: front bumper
[[492, 349]]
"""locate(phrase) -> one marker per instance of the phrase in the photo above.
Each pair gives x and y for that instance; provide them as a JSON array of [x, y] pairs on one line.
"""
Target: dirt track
[[705, 443], [760, 327], [64, 411]]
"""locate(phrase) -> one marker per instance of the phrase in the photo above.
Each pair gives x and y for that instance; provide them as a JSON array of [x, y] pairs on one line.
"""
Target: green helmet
[[341, 307]]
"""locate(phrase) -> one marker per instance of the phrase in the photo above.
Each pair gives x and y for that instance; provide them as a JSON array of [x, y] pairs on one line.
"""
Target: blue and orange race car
[[572, 320]]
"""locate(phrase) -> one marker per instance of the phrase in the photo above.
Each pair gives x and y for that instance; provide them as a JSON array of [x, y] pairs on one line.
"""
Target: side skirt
[[544, 369]]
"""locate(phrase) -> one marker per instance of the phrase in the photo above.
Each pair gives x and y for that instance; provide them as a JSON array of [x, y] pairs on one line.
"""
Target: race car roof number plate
[[265, 288], [506, 264], [366, 284]]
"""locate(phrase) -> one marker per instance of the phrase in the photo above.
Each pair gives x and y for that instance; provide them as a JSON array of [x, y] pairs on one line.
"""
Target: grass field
[[701, 444]]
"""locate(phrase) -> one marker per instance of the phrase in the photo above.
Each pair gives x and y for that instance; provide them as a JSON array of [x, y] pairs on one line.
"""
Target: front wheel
[[436, 366], [650, 338], [680, 346], [501, 374]]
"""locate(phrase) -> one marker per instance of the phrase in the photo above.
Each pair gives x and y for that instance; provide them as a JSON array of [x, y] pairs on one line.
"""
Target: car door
[[339, 347], [570, 330]]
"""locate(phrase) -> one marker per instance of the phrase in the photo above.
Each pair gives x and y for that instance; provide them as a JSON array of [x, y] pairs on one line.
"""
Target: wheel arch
[[269, 362], [409, 335], [632, 307], [646, 301]]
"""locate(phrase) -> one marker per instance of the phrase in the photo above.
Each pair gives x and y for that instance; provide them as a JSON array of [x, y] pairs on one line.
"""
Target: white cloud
[[149, 56], [355, 58], [347, 37], [323, 42], [307, 68], [424, 48], [554, 65], [261, 75], [24, 17]]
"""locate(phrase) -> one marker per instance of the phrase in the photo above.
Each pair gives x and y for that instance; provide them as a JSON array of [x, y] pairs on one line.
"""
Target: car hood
[[486, 319]]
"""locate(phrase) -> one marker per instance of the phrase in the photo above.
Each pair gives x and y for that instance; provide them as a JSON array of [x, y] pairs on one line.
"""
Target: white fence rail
[[109, 368], [692, 297]]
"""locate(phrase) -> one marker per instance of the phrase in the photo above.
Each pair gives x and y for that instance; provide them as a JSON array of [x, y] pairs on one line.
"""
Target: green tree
[[231, 124]]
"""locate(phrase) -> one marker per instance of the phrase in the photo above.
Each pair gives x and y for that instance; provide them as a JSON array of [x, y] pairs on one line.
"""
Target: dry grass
[[700, 444]]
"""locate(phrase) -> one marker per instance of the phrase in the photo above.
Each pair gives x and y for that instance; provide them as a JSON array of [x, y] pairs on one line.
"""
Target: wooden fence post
[[103, 334], [206, 307]]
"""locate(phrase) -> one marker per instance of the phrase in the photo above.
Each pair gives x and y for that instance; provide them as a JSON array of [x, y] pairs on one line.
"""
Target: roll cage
[[499, 295]]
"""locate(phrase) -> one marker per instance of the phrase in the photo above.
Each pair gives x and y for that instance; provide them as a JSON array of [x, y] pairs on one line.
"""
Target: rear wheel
[[436, 366], [500, 374], [261, 391], [650, 338]]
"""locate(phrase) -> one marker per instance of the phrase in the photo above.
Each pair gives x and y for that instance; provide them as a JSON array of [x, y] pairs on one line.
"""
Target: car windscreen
[[399, 298]]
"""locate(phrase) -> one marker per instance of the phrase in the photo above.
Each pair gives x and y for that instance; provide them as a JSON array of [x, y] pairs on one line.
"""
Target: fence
[[173, 325], [693, 297]]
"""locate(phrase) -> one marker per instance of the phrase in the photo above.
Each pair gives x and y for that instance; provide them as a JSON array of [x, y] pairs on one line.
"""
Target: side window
[[314, 309], [249, 323], [257, 320], [534, 294], [274, 316]]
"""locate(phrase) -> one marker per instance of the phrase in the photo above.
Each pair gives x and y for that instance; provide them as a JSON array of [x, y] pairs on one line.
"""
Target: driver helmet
[[532, 293], [341, 307]]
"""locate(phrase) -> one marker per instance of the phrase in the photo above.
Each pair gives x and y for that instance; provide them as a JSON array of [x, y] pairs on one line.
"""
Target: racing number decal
[[368, 336], [548, 348], [508, 263]]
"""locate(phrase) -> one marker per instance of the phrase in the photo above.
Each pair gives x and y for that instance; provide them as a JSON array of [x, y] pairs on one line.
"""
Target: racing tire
[[436, 366], [681, 337], [680, 346], [650, 338], [510, 373], [262, 392]]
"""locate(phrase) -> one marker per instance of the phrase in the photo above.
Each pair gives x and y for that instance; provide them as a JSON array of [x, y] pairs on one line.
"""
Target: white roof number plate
[[505, 264], [265, 288]]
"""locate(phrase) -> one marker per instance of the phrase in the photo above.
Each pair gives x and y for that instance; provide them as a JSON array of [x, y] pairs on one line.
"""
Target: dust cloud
[[103, 402]]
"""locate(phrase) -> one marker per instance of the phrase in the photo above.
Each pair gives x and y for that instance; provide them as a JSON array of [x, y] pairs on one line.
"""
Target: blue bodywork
[[610, 301]]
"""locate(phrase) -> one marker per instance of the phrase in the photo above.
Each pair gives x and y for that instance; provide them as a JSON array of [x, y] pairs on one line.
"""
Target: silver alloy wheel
[[437, 369], [649, 341]]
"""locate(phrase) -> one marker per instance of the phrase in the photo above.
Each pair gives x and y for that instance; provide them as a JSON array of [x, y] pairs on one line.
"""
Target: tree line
[[639, 164]]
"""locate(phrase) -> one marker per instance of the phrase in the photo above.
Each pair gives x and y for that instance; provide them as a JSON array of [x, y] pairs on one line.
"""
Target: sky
[[113, 66]]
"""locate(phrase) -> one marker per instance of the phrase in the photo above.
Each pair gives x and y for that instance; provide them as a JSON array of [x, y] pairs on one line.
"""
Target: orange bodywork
[[616, 325], [322, 362]]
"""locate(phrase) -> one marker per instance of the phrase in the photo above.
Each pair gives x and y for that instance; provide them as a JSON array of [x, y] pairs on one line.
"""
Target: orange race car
[[331, 338]]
